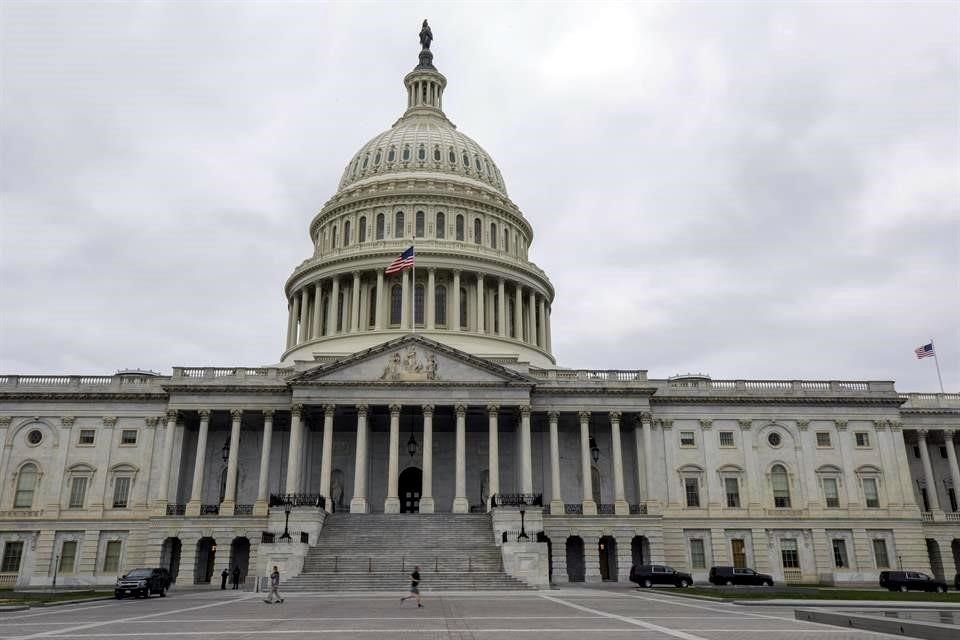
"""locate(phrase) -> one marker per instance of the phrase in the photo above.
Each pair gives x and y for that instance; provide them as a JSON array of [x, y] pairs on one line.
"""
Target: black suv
[[142, 582], [910, 581], [647, 575], [737, 575]]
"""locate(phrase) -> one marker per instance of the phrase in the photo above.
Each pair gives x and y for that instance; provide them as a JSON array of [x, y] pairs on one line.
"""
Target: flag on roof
[[925, 351], [405, 261]]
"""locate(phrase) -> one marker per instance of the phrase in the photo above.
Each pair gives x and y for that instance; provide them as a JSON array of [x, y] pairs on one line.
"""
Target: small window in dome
[[466, 159], [436, 154], [392, 155], [421, 153], [476, 162], [406, 153], [366, 159], [441, 225], [453, 156], [376, 158], [483, 165]]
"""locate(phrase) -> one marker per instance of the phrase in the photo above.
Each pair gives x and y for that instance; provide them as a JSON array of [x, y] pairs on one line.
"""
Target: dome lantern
[[425, 84]]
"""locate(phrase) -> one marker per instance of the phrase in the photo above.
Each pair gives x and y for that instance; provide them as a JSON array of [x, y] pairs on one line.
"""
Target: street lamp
[[225, 452], [412, 445], [287, 508], [523, 512], [594, 450]]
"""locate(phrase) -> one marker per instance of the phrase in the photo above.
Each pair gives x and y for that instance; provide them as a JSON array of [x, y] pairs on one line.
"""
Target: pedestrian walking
[[274, 587], [414, 588], [236, 577], [223, 578]]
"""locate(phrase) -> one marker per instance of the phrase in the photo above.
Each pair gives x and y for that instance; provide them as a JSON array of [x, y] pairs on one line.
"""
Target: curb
[[13, 607], [849, 604]]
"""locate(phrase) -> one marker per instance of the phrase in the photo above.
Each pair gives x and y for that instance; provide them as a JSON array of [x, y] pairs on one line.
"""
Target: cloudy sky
[[760, 190]]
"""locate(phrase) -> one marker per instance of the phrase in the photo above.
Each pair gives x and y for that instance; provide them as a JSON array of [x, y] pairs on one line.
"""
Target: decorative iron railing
[[298, 500], [209, 509], [176, 509], [517, 499], [243, 510], [271, 537], [604, 509], [638, 509], [573, 509]]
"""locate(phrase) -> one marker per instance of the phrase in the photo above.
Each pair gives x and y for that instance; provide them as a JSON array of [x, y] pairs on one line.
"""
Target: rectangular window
[[128, 436], [87, 436], [692, 486], [863, 438], [840, 554], [68, 556], [732, 489], [781, 490], [925, 498], [870, 493], [788, 553], [12, 552], [880, 553], [687, 439], [78, 492], [726, 439], [121, 492], [698, 559], [831, 493], [111, 559], [738, 549], [952, 494], [823, 439]]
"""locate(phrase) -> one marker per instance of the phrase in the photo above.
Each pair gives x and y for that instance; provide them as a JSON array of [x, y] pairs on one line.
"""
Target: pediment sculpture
[[407, 366]]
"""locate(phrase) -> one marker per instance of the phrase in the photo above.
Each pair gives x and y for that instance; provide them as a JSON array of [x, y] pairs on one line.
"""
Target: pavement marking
[[683, 635], [392, 632], [55, 610], [356, 619], [94, 625], [676, 600]]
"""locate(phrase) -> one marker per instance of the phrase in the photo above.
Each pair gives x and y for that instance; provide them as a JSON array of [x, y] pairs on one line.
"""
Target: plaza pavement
[[558, 614]]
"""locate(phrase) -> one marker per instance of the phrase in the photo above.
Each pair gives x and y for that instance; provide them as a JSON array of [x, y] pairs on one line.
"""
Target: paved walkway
[[563, 614]]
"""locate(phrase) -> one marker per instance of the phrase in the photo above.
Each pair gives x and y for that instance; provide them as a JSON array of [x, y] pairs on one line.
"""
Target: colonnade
[[361, 301], [929, 477]]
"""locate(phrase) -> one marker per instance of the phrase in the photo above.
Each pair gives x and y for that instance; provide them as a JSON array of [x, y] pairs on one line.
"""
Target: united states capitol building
[[433, 396]]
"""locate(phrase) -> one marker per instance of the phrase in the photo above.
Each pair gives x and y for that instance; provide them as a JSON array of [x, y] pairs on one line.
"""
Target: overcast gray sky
[[760, 190]]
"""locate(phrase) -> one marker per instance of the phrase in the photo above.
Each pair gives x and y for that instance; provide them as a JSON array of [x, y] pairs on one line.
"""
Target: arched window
[[333, 238], [396, 303], [496, 316], [511, 317], [362, 230], [372, 311], [366, 159], [421, 153], [477, 231], [441, 225], [466, 160], [346, 233], [418, 304], [463, 308], [436, 154], [398, 225], [420, 223], [780, 482], [376, 158], [324, 313], [26, 486], [391, 155], [460, 228], [452, 156], [380, 223], [506, 240], [406, 153], [440, 305], [493, 235]]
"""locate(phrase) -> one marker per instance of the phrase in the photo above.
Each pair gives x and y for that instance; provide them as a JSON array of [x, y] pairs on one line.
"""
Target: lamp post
[[225, 452], [56, 568], [287, 508], [594, 450], [900, 561], [523, 537]]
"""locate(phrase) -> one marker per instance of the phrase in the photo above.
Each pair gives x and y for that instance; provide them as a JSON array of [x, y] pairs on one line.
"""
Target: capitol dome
[[422, 183]]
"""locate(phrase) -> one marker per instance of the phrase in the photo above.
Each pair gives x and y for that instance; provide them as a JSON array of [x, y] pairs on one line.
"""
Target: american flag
[[405, 261], [925, 351]]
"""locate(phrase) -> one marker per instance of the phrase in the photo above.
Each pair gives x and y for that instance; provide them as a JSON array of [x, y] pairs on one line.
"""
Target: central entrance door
[[410, 486]]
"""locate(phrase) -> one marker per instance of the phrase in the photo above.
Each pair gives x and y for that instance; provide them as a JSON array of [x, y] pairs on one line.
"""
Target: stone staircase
[[377, 552]]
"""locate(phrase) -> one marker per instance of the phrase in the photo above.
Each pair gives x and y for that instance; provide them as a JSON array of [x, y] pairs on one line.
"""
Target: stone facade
[[435, 390]]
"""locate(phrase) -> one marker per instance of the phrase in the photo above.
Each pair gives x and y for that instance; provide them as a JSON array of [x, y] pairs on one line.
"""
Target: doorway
[[240, 556], [608, 558], [170, 556], [738, 549], [206, 557], [576, 570], [410, 486]]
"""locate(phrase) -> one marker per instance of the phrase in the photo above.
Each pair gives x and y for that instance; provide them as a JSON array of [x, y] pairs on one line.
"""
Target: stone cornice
[[81, 395], [787, 400]]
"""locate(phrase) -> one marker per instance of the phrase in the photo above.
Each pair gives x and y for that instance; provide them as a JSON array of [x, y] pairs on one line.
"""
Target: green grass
[[37, 598], [817, 593]]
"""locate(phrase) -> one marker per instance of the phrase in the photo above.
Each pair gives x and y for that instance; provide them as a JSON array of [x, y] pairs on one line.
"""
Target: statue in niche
[[336, 488]]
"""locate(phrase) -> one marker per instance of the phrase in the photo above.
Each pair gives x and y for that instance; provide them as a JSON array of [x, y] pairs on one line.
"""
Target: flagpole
[[936, 361], [413, 285]]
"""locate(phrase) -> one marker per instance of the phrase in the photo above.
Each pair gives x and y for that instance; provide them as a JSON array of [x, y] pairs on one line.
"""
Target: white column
[[305, 314], [952, 460], [429, 305], [261, 505], [334, 307], [230, 489], [326, 455], [931, 480], [378, 313], [638, 457], [317, 311], [526, 452], [481, 291], [355, 303], [518, 312], [291, 324], [493, 462], [674, 498], [532, 318], [586, 468], [846, 457], [358, 503], [651, 492], [750, 461], [620, 506], [710, 457], [887, 444], [546, 329], [196, 491], [164, 488], [455, 326], [427, 504], [295, 449], [460, 502], [405, 306], [501, 308], [392, 503], [556, 494], [296, 319], [542, 314]]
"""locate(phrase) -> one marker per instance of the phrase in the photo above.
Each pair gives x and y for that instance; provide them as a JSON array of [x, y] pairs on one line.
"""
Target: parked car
[[142, 582], [738, 575], [910, 581], [647, 575]]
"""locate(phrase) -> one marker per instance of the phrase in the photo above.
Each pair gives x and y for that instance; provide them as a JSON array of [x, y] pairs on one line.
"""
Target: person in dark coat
[[236, 577], [223, 578]]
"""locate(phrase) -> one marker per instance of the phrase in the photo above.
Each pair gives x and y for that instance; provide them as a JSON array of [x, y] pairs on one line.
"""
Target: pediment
[[411, 359]]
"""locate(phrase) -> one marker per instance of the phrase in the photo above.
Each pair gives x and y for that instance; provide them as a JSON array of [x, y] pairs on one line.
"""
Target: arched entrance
[[410, 486], [170, 556], [639, 550], [240, 556], [542, 537], [576, 569], [936, 560], [206, 557], [608, 558]]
